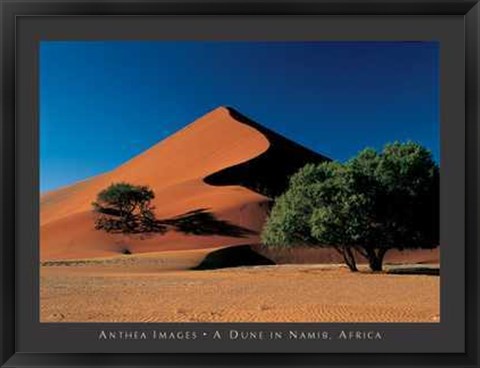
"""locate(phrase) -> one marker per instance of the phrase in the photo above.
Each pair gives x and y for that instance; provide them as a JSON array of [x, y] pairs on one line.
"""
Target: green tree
[[371, 204], [401, 185], [124, 208]]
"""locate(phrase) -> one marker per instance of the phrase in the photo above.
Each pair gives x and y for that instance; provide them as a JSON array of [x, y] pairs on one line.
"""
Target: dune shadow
[[236, 256], [203, 222], [429, 271], [269, 172]]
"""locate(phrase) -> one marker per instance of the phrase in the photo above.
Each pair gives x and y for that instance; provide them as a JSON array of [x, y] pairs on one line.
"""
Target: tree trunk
[[375, 259], [349, 258]]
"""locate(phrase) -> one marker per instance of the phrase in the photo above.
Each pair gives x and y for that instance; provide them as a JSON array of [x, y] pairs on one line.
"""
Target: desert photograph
[[208, 181]]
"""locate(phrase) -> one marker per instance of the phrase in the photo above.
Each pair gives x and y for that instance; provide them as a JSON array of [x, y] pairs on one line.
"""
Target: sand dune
[[176, 169], [225, 168], [223, 163]]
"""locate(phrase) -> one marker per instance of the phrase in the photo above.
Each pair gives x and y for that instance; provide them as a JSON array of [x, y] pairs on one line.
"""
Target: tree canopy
[[126, 208], [372, 203]]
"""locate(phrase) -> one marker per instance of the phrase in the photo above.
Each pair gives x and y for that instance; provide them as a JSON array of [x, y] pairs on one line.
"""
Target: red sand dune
[[175, 169], [219, 163]]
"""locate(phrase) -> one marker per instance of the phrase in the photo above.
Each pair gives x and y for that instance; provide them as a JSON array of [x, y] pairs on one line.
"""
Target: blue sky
[[103, 102]]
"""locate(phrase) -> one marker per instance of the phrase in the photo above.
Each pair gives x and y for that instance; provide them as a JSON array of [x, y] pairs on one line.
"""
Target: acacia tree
[[312, 188], [401, 185], [125, 208], [371, 204]]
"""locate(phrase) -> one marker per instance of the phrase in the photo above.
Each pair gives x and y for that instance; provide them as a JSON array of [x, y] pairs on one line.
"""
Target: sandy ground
[[153, 289]]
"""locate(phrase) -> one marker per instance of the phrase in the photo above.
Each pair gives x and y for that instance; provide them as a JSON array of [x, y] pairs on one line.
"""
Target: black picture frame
[[10, 10]]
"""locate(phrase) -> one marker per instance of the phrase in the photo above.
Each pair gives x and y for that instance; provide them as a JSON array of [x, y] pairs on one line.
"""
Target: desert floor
[[154, 288]]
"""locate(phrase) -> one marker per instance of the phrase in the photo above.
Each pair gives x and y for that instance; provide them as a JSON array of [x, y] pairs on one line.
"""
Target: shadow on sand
[[429, 271], [203, 222], [237, 256], [196, 222]]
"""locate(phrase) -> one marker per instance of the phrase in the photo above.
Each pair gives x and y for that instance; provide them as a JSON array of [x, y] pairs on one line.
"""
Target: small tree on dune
[[124, 208], [371, 204]]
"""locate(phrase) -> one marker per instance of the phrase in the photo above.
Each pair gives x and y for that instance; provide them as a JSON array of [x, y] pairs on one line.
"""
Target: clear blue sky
[[103, 102]]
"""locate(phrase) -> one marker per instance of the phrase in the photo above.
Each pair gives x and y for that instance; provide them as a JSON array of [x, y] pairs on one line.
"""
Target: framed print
[[246, 183]]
